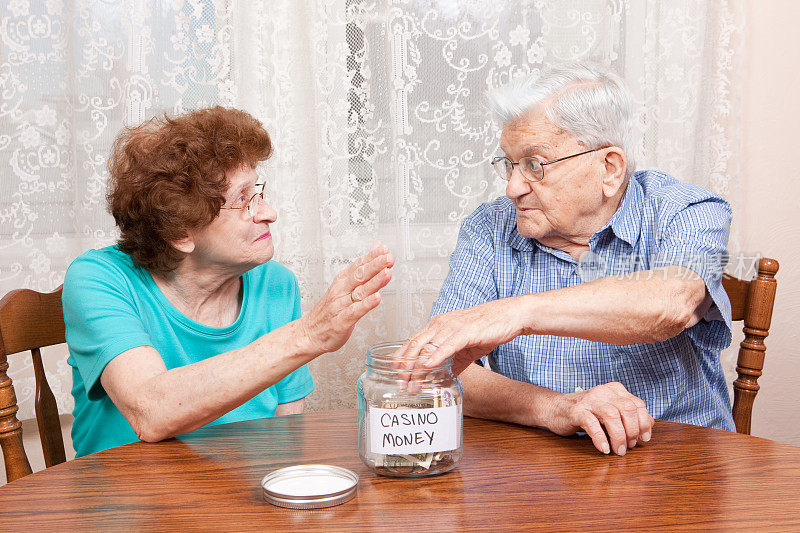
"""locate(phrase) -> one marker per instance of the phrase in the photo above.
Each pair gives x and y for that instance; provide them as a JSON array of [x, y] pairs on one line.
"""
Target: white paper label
[[407, 431]]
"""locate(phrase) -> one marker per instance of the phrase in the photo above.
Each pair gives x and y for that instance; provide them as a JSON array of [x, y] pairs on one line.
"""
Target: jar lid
[[309, 486]]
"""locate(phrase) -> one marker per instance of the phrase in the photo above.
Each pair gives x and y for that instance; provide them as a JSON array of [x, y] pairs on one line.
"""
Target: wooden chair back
[[751, 301], [29, 320]]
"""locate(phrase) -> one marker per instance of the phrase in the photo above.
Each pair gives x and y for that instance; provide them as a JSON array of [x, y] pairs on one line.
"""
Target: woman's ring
[[433, 344], [353, 297]]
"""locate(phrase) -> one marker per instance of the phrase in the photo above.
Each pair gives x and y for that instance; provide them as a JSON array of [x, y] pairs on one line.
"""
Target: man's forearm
[[495, 397], [655, 307]]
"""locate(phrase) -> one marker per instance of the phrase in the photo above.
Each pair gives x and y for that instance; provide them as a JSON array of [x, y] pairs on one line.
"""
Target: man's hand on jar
[[465, 335], [614, 419]]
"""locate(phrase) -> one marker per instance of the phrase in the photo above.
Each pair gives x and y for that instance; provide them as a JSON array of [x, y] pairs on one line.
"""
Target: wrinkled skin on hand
[[351, 295], [465, 335], [607, 409]]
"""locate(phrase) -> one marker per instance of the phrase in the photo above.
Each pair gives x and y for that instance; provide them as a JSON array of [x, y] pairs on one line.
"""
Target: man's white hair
[[587, 101]]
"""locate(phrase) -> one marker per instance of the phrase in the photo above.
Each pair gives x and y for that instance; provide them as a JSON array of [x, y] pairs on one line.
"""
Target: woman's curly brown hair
[[168, 177]]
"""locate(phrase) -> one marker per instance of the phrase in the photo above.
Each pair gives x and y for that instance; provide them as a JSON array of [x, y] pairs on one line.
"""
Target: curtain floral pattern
[[376, 109]]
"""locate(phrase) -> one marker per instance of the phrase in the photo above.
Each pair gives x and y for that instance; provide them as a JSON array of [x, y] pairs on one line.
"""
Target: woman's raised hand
[[352, 294]]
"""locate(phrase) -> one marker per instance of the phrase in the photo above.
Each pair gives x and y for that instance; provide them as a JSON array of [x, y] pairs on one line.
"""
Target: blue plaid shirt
[[661, 221]]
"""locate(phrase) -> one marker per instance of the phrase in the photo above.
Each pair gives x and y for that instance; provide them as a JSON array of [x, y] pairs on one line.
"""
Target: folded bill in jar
[[420, 462]]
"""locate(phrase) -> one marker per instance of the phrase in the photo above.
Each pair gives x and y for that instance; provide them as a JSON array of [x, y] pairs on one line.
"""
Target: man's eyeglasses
[[252, 205], [532, 169]]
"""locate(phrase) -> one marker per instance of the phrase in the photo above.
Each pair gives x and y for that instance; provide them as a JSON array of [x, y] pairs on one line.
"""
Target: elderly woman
[[186, 322], [593, 291]]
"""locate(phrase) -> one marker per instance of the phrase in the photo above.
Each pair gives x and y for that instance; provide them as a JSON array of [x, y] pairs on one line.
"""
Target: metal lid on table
[[309, 486]]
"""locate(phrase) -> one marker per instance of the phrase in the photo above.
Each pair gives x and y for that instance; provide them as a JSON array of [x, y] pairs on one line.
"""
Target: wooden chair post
[[16, 462], [29, 320], [757, 319]]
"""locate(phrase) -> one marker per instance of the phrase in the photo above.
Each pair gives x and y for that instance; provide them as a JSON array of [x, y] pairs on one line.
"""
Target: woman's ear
[[616, 164], [185, 245]]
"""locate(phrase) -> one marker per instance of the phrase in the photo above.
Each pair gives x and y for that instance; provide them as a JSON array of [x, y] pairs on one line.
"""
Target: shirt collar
[[525, 244], [626, 223]]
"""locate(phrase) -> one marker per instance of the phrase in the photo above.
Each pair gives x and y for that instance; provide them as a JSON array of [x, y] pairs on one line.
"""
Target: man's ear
[[185, 245], [615, 163]]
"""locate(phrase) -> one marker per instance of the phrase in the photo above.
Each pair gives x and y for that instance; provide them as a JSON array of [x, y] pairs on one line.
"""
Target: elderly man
[[592, 291]]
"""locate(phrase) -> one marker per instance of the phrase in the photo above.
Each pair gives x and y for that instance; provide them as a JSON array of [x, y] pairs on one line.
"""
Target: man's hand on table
[[611, 407]]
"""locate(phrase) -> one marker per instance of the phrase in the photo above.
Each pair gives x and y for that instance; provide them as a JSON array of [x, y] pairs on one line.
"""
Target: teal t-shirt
[[112, 305]]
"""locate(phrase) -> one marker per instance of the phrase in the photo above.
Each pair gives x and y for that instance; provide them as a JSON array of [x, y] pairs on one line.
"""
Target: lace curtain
[[376, 108]]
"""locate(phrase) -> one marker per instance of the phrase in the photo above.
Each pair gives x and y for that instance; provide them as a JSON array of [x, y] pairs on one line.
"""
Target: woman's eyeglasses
[[252, 205]]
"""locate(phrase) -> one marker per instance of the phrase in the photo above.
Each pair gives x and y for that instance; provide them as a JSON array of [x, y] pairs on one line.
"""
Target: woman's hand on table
[[352, 294], [614, 419]]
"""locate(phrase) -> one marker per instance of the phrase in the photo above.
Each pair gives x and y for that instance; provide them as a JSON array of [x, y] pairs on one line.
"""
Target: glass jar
[[409, 431]]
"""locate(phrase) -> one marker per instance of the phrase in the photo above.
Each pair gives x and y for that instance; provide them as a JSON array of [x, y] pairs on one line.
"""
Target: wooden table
[[510, 478]]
